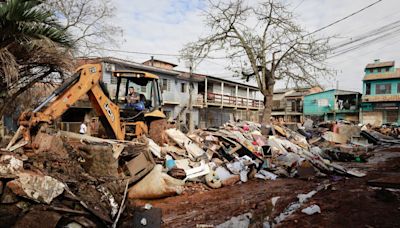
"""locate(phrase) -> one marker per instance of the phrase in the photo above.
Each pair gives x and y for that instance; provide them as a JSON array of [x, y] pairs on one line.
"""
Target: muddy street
[[346, 202]]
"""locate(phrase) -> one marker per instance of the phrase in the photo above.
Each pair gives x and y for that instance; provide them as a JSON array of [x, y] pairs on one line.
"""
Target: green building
[[381, 94], [332, 105]]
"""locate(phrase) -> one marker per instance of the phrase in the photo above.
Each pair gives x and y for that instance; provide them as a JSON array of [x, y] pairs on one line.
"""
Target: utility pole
[[191, 88]]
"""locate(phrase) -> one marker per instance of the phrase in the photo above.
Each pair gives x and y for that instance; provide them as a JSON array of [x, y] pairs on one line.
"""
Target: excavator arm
[[86, 80]]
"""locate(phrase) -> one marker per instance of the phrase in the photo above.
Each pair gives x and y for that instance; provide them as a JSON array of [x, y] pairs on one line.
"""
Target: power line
[[298, 5], [344, 18], [381, 35], [179, 55], [351, 29], [152, 53], [373, 32], [138, 52]]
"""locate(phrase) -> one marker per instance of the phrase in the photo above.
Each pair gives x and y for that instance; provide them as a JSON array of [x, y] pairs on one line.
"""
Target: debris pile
[[70, 180], [236, 152], [77, 179]]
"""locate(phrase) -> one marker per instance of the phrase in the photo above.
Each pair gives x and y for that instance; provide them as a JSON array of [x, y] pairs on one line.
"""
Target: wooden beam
[[205, 91], [248, 94], [222, 94], [236, 96]]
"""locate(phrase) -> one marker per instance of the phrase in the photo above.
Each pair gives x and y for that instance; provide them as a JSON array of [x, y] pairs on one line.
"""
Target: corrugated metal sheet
[[380, 64]]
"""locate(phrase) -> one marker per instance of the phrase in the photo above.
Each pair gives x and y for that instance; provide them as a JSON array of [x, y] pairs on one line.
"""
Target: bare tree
[[89, 21], [264, 43]]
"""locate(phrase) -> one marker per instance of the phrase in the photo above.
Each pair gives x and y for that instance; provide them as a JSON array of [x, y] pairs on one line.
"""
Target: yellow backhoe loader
[[121, 122]]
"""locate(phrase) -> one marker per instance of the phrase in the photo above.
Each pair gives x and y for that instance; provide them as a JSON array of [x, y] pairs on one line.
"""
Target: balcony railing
[[233, 101], [380, 98]]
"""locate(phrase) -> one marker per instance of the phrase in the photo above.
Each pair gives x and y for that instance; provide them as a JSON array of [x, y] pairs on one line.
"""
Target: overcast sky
[[164, 26]]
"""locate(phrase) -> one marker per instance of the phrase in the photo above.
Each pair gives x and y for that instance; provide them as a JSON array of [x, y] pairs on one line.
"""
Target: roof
[[176, 73], [134, 74], [284, 90], [380, 64], [298, 91], [232, 82], [195, 76], [298, 94], [132, 64], [337, 92], [160, 61], [385, 75], [344, 92]]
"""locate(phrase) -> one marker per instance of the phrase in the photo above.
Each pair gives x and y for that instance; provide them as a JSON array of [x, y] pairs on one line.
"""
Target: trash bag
[[156, 185], [139, 106]]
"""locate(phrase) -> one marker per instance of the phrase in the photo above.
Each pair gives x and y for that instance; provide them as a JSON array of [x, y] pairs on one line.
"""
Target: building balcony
[[224, 100], [347, 110], [381, 98]]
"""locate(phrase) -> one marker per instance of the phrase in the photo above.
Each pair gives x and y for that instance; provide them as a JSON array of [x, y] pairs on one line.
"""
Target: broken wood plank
[[122, 207], [93, 211], [92, 139], [185, 143], [20, 144], [68, 210], [14, 138]]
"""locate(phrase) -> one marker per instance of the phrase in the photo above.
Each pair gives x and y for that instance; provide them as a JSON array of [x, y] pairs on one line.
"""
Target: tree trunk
[[266, 113]]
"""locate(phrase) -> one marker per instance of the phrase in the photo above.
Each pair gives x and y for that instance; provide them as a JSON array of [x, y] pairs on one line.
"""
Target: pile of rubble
[[239, 151], [392, 130], [71, 179]]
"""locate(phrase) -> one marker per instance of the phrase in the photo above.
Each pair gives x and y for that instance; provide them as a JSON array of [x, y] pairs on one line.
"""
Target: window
[[371, 70], [379, 70], [398, 87], [368, 88], [165, 85], [383, 89], [183, 87], [293, 106], [387, 69], [323, 102]]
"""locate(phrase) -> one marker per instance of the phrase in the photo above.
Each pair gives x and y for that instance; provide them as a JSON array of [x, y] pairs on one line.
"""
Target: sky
[[165, 26]]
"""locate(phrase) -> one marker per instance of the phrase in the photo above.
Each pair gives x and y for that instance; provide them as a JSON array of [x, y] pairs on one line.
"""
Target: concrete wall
[[319, 103], [375, 70], [214, 117], [374, 83], [373, 118], [174, 92]]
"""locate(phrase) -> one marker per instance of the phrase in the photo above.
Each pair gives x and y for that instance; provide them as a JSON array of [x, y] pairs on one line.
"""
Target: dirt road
[[347, 202]]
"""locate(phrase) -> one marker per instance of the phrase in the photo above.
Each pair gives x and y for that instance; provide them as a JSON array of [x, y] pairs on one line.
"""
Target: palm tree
[[32, 47]]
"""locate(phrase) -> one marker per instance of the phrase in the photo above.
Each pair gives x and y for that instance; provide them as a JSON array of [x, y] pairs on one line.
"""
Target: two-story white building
[[214, 100]]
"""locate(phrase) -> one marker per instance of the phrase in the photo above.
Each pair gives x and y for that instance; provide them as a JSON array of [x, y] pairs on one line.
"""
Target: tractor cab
[[139, 99], [137, 91]]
